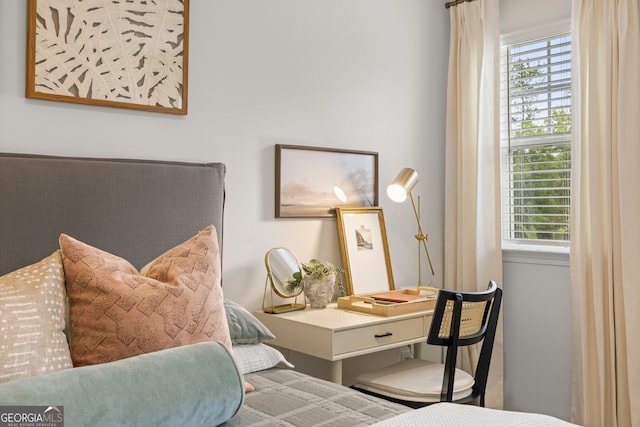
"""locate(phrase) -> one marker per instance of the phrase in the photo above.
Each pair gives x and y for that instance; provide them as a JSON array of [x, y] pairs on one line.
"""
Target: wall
[[537, 333], [355, 74], [517, 15]]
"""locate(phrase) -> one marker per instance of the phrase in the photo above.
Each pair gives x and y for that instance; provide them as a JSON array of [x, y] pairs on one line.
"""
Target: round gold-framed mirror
[[283, 271]]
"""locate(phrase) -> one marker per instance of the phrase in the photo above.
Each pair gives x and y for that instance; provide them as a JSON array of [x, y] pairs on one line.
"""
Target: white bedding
[[450, 414], [258, 357]]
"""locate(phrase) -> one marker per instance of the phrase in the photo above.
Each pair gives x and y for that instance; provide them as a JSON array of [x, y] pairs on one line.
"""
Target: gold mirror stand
[[281, 308], [282, 266]]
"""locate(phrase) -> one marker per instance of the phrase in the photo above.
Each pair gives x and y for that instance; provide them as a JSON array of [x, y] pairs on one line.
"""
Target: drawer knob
[[387, 334]]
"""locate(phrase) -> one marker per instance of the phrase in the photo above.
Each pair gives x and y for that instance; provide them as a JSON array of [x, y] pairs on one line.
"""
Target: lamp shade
[[403, 183]]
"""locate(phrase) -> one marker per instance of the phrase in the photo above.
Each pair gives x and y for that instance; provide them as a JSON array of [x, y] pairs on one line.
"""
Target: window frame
[[545, 31]]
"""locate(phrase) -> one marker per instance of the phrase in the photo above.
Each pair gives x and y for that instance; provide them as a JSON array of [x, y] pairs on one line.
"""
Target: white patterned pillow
[[32, 320], [258, 357]]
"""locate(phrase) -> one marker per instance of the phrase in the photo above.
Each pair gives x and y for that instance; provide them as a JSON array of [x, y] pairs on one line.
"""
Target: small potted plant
[[318, 282]]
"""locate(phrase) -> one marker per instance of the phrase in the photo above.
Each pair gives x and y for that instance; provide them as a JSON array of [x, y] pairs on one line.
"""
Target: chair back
[[462, 319]]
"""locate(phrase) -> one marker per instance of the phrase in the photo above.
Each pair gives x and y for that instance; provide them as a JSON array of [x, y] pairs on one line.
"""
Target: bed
[[137, 209]]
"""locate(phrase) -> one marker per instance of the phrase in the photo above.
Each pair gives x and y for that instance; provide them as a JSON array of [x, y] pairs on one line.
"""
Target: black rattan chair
[[460, 319]]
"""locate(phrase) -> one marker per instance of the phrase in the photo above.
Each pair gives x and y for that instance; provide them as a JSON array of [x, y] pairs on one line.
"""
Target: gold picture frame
[[365, 250], [101, 53]]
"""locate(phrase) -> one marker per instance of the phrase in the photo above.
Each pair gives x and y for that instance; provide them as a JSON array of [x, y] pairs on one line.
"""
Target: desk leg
[[417, 351], [336, 371]]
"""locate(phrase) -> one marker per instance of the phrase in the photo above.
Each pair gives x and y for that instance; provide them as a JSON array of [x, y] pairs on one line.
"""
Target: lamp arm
[[421, 236]]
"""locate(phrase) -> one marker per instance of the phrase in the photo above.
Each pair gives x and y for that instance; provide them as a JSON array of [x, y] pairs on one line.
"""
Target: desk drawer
[[367, 337]]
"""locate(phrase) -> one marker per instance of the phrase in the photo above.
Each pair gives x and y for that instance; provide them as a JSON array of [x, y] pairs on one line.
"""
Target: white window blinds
[[536, 140]]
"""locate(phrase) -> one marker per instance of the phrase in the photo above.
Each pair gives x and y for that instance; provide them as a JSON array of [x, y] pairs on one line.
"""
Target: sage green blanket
[[194, 385]]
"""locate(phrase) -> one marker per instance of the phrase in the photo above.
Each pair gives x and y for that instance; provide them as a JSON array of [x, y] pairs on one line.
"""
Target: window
[[536, 140]]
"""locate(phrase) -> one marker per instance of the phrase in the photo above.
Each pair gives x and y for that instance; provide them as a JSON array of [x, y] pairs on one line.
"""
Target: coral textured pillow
[[117, 312], [32, 316]]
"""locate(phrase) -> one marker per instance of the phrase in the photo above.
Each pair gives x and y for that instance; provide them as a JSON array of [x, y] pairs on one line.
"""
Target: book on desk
[[398, 296]]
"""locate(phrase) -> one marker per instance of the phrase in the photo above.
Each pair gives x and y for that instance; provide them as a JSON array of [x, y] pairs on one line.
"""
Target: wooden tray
[[366, 304]]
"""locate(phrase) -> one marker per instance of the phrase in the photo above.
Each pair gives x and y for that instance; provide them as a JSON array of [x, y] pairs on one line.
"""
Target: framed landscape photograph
[[313, 181], [103, 53], [365, 250]]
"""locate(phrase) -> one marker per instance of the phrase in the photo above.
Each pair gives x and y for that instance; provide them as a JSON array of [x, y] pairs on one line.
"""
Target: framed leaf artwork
[[120, 53]]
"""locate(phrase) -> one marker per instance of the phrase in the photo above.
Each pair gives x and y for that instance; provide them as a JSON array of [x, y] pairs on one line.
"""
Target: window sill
[[532, 254]]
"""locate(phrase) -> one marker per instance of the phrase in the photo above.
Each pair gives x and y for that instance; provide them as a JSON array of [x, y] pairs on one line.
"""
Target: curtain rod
[[454, 3]]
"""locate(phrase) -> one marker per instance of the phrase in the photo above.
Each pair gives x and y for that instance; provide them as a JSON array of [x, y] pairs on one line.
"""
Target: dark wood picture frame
[[313, 181], [134, 57]]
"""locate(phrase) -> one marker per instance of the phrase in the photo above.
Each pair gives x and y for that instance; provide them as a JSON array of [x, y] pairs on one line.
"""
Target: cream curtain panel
[[472, 246], [605, 234]]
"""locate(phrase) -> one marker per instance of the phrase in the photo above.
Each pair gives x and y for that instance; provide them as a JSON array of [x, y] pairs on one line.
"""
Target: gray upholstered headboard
[[136, 209]]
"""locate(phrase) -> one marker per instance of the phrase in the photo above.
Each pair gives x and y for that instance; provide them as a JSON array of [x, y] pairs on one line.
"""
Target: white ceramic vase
[[319, 291]]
